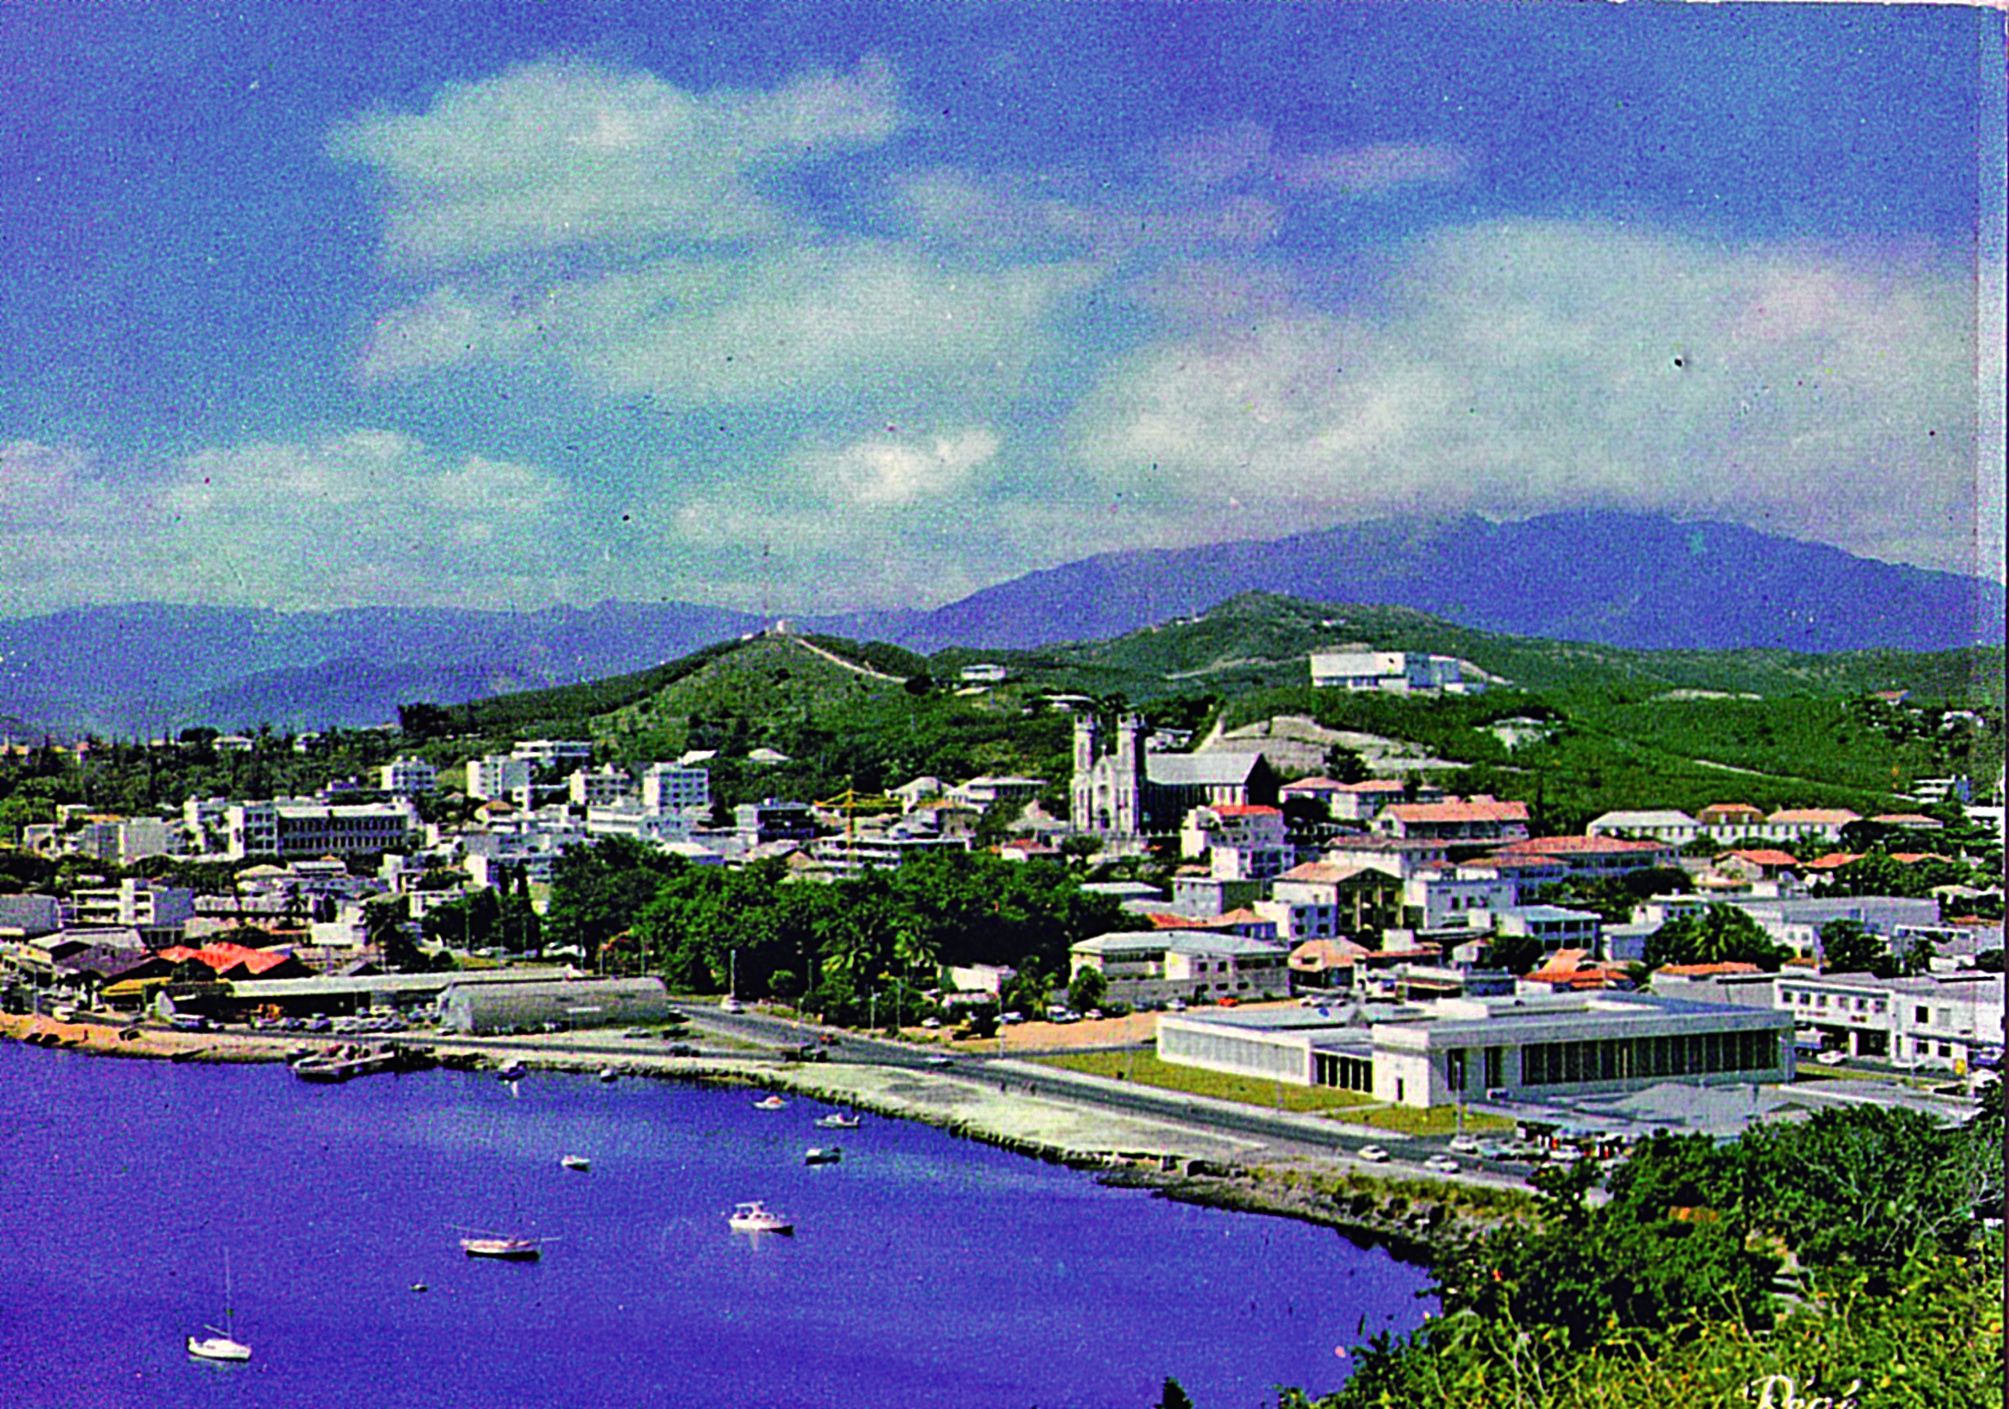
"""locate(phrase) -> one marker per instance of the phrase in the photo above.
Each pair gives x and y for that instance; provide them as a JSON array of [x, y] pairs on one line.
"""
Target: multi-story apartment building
[[498, 775], [294, 829], [408, 777], [670, 787]]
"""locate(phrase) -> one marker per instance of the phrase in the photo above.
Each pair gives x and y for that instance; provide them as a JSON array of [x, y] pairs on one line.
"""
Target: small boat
[[756, 1217], [823, 1154], [221, 1344], [578, 1162], [837, 1120], [217, 1345], [610, 1074], [770, 1103], [512, 1070], [503, 1249]]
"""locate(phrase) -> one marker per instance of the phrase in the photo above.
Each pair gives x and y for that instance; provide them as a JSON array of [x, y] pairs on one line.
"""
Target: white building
[[1241, 841], [1450, 899], [983, 673], [1396, 672], [408, 777], [550, 753], [670, 787], [310, 829], [498, 775], [1934, 1020], [1155, 966], [1471, 1049], [1666, 824], [598, 787], [140, 904]]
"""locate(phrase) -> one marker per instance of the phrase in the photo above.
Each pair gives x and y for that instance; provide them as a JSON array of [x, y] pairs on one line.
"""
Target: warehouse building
[[477, 1008], [1499, 1048]]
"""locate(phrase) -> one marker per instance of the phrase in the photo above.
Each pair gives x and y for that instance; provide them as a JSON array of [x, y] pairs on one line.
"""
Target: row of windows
[[1624, 1059], [1348, 1073]]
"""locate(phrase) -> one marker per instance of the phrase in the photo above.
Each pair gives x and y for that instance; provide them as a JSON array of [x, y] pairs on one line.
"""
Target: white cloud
[[560, 155], [1370, 170], [886, 472], [735, 330], [367, 516], [1521, 367]]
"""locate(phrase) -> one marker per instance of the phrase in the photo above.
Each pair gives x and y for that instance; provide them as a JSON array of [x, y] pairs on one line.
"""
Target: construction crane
[[851, 802]]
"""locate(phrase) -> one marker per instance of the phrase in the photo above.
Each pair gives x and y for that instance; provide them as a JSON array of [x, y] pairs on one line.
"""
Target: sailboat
[[220, 1344]]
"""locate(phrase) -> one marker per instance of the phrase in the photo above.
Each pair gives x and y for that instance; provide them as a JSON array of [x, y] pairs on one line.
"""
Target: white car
[[1443, 1164], [1373, 1154], [1565, 1154], [1832, 1059], [1465, 1145], [731, 1005]]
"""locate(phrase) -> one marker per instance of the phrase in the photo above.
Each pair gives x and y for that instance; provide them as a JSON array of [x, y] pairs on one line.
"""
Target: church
[[1129, 791]]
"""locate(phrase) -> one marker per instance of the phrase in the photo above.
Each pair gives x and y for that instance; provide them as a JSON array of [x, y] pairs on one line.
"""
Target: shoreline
[[1413, 1219]]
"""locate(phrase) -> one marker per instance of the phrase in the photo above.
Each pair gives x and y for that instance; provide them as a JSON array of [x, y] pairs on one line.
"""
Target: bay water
[[924, 1270]]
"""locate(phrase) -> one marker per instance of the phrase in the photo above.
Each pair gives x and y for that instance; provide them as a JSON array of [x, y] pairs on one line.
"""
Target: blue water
[[925, 1269]]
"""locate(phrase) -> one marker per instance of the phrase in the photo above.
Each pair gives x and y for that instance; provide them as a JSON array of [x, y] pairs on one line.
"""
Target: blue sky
[[823, 305]]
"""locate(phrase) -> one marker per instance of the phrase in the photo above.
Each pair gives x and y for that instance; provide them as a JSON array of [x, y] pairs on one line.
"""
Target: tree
[[1345, 765], [1848, 948], [1087, 989], [1173, 1396], [1716, 934]]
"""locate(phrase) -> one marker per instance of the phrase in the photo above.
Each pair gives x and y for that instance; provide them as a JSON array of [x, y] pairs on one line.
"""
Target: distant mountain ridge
[[1637, 581], [1641, 581]]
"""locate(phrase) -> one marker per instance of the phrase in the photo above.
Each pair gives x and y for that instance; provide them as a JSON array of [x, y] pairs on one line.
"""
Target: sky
[[826, 305]]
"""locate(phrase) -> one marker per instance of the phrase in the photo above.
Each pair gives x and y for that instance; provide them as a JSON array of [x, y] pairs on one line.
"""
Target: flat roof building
[[1471, 1049]]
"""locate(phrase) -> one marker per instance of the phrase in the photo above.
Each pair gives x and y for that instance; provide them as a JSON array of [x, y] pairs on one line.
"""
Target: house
[[1467, 824], [983, 673], [408, 777], [1325, 963], [1758, 863], [1241, 841], [1592, 858], [1796, 823], [1669, 825], [497, 775], [1328, 899], [1555, 926], [1156, 966], [1457, 897], [1401, 857], [1574, 971]]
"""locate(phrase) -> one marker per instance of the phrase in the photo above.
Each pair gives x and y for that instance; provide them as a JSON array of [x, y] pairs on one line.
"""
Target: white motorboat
[[512, 1070], [576, 1162], [221, 1344], [770, 1103], [823, 1154], [756, 1217], [837, 1120]]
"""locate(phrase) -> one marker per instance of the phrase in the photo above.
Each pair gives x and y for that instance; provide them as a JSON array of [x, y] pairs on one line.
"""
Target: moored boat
[[823, 1154], [502, 1249], [837, 1120], [576, 1162], [754, 1216], [770, 1103]]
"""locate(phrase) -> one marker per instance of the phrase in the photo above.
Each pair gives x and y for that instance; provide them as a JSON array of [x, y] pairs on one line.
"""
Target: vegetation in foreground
[[1845, 1257]]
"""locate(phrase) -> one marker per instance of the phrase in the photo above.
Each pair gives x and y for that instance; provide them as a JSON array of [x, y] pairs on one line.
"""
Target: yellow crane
[[851, 802]]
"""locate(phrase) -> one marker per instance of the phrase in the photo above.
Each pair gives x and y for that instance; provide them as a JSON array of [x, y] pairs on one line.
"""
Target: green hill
[[1629, 728]]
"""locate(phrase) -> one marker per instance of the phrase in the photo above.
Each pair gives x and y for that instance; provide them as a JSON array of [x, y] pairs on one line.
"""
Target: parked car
[[1373, 1154], [1443, 1164], [1832, 1059], [731, 1005], [1565, 1154], [1465, 1145]]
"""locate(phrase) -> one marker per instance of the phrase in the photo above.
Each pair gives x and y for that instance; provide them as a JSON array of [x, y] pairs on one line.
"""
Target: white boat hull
[[218, 1348]]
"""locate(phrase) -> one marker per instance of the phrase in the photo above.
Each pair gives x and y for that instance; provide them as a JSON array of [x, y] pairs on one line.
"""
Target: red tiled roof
[[1245, 809], [1912, 858], [1738, 807], [1727, 966], [1828, 816], [1472, 810], [1834, 860], [1764, 856], [1326, 953], [1327, 872], [1576, 846], [1907, 819]]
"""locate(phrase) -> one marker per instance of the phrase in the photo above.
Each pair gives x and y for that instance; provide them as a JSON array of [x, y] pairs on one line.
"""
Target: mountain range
[[1636, 581]]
